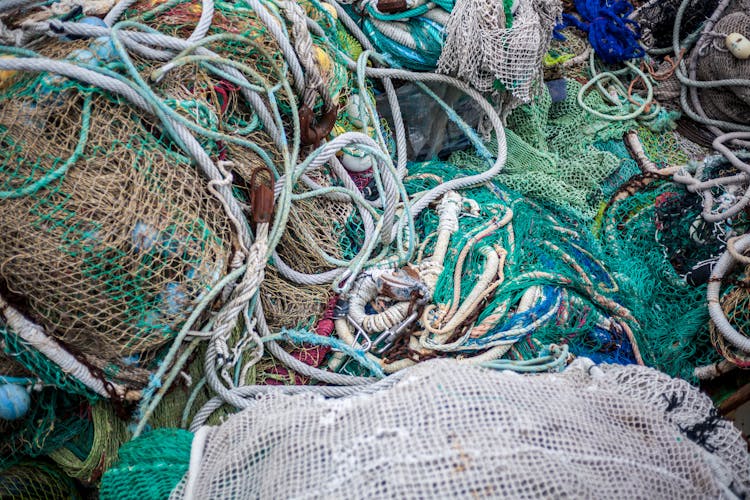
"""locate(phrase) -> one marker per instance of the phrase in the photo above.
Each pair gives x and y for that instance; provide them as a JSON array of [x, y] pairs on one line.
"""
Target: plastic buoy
[[738, 45], [14, 401], [356, 161]]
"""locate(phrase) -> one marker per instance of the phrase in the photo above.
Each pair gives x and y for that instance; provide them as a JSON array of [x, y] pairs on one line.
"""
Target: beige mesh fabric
[[288, 304], [112, 257], [667, 91], [480, 49], [447, 430]]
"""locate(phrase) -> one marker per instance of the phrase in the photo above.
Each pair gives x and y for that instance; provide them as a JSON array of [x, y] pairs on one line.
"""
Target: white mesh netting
[[451, 430], [480, 48]]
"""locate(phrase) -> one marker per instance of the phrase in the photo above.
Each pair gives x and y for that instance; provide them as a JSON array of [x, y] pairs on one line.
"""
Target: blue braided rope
[[611, 34]]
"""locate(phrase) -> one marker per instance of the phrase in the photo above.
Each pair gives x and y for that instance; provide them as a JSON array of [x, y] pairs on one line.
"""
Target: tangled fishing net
[[716, 62], [210, 207], [149, 467], [36, 481], [451, 430]]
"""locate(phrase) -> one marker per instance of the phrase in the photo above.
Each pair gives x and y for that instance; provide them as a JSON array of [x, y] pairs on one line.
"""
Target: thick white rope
[[35, 337], [722, 268]]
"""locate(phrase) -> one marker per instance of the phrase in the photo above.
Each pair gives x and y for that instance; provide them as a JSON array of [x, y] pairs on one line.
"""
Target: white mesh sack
[[480, 48], [444, 429]]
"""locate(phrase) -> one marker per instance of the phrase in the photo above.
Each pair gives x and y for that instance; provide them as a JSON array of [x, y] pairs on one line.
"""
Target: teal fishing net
[[148, 467], [673, 317]]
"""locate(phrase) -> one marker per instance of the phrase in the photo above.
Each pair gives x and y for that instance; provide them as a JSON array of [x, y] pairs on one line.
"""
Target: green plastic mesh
[[628, 167], [626, 263], [669, 148], [35, 362], [149, 467], [551, 153], [108, 238], [36, 481]]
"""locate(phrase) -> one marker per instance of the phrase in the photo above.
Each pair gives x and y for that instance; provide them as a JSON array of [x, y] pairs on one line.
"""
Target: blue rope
[[611, 34]]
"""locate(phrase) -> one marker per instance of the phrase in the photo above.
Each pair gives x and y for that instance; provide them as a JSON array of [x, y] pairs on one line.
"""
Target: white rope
[[35, 337], [721, 270]]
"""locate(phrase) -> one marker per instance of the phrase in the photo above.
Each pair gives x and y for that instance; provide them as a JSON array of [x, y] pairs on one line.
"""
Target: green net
[[87, 460], [32, 361], [555, 267], [111, 238], [552, 154], [36, 481], [635, 264], [673, 316], [627, 169], [54, 419], [149, 467]]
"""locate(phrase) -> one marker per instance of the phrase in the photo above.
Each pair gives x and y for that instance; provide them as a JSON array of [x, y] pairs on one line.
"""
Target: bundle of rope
[[409, 32], [729, 310], [708, 72], [612, 35]]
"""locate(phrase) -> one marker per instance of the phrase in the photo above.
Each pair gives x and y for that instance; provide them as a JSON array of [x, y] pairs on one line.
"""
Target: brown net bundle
[[315, 225], [36, 481], [736, 306], [731, 103], [287, 304], [109, 238]]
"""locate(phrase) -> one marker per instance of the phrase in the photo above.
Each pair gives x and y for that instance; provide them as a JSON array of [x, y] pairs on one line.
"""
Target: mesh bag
[[451, 430], [480, 48], [109, 238]]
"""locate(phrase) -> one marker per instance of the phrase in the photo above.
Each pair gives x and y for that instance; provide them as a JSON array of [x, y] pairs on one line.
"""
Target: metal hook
[[392, 334], [367, 345]]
